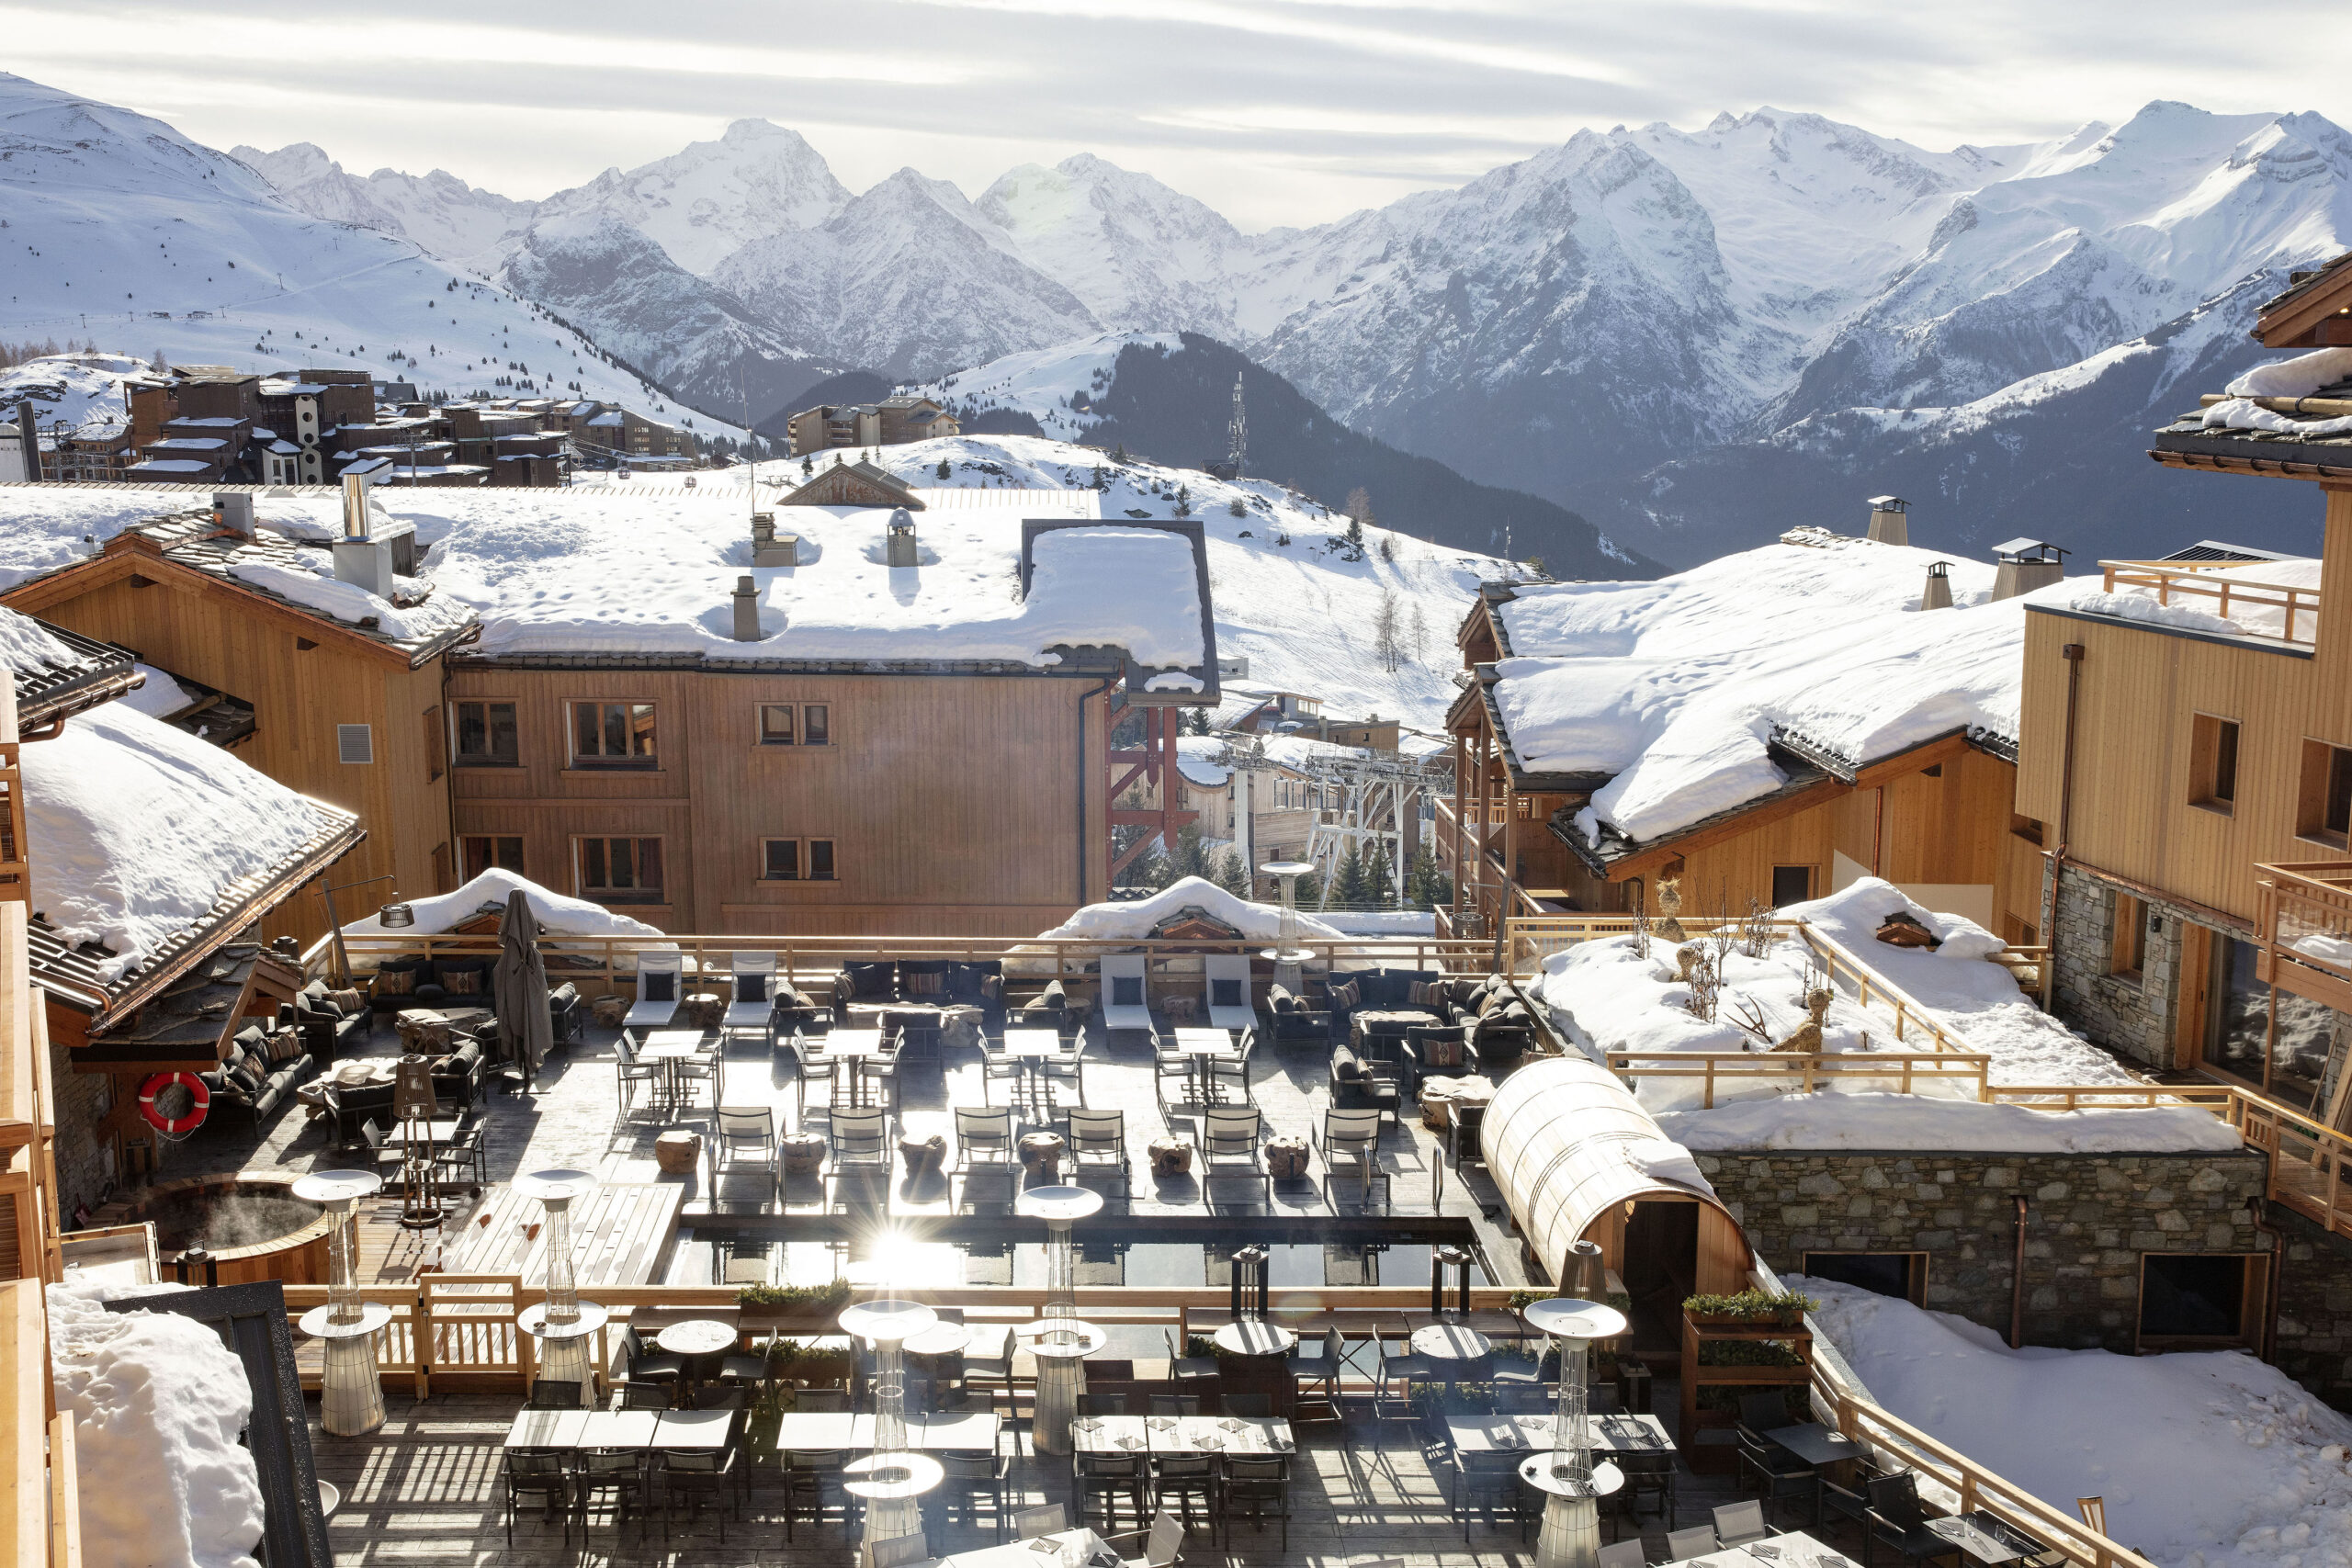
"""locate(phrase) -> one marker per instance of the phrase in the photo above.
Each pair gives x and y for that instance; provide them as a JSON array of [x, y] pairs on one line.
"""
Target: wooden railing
[[2303, 928], [609, 964], [466, 1324], [1953, 1075], [2253, 606]]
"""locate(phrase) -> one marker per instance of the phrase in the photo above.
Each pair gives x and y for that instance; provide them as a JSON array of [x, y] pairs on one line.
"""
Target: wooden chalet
[[350, 714], [854, 484], [1934, 818], [2196, 773]]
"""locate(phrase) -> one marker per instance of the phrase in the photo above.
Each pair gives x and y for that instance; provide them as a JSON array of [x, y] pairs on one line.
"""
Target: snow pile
[[26, 647], [2296, 377], [136, 830], [158, 1404], [1675, 688], [82, 391], [317, 589], [2206, 1461], [2242, 414], [1606, 998], [2198, 612], [160, 697], [1037, 381], [1911, 1122], [561, 915], [1133, 922]]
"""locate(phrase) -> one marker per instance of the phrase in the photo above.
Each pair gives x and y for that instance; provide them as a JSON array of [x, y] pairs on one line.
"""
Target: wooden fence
[[607, 965], [2259, 609]]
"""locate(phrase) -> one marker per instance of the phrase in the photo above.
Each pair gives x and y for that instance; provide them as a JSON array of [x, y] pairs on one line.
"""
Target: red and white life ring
[[199, 1102]]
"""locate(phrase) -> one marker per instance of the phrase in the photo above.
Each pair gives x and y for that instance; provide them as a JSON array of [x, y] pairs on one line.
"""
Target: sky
[[1272, 111]]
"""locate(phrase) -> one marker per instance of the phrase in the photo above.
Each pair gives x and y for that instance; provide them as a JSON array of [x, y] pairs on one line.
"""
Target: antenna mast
[[1238, 431]]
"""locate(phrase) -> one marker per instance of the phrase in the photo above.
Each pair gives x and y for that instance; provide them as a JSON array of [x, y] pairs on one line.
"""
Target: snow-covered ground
[[1606, 998], [1037, 382], [1676, 686], [2205, 1461]]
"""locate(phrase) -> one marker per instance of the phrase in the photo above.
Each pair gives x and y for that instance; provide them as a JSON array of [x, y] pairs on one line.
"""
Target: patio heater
[[351, 1393], [1286, 956], [1248, 1284], [892, 1479], [1450, 1265], [1572, 1484], [1063, 1342], [562, 1325], [415, 1103]]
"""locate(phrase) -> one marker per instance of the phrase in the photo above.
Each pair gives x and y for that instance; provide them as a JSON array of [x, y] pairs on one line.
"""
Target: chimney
[[1937, 595], [233, 512], [361, 560], [902, 538], [770, 548], [747, 610], [1888, 523], [28, 441], [2026, 565]]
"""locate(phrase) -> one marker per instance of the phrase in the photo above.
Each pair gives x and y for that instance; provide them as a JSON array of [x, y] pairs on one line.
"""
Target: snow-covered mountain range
[[1776, 297], [120, 230]]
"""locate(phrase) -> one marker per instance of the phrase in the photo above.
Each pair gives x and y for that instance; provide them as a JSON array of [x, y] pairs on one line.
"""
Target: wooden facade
[[952, 804], [307, 677]]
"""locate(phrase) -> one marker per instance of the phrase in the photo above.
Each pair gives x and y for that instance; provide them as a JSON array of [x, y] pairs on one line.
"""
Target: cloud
[[1272, 111]]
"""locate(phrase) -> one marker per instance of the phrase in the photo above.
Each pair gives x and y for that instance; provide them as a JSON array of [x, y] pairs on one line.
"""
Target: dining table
[[620, 1430], [854, 1049], [1612, 1433], [1792, 1549], [1986, 1539], [1067, 1549], [1243, 1435], [960, 1431], [670, 1048], [1206, 1048], [1030, 1049], [1815, 1443], [1450, 1348], [696, 1341]]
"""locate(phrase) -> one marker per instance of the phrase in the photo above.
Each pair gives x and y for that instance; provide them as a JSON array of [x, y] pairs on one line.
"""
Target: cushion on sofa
[[872, 980], [1345, 1068], [397, 980], [921, 986], [970, 984], [466, 982], [242, 1080], [1053, 999], [1280, 1001], [284, 1045], [1347, 996]]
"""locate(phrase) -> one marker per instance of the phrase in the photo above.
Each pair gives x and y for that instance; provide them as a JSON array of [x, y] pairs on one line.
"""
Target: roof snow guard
[[1567, 1142], [1188, 685]]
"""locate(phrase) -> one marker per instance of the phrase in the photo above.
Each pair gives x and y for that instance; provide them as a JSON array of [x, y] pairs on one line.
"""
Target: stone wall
[[2132, 1018], [84, 1163], [2314, 1342], [2089, 1218]]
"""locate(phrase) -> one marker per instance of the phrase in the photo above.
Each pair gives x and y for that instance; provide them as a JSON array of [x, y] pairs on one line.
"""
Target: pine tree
[[1226, 873], [1379, 877], [1425, 886], [1183, 501], [1119, 454], [1347, 885], [1190, 860], [945, 472], [1310, 890]]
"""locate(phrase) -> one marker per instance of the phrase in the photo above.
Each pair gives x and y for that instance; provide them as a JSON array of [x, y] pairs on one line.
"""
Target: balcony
[[2261, 606], [2304, 928]]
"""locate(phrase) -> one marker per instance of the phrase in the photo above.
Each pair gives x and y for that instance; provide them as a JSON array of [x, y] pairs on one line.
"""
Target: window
[[2213, 763], [1791, 885], [487, 737], [2025, 828], [481, 851], [796, 860], [2196, 1296], [621, 871], [1902, 1275], [2126, 937], [611, 734], [2324, 805], [790, 724], [432, 743]]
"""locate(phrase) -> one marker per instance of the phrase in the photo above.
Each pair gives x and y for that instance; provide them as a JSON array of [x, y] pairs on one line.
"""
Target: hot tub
[[254, 1226]]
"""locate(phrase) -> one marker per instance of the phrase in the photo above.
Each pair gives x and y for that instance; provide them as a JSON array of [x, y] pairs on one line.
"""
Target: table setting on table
[[1247, 1436], [1509, 1434]]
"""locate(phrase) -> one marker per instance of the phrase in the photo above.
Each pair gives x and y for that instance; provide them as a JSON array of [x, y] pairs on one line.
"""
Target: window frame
[[796, 711], [602, 895], [767, 860], [490, 858], [435, 758], [2215, 746], [2127, 937], [1812, 881], [2254, 1284], [458, 756], [804, 859], [601, 762], [2325, 774]]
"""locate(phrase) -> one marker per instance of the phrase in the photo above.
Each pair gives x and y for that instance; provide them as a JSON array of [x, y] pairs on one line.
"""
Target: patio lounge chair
[[1230, 1135], [753, 1004], [1226, 1000], [657, 976], [744, 1140], [1099, 1138], [1352, 1134], [1126, 1002]]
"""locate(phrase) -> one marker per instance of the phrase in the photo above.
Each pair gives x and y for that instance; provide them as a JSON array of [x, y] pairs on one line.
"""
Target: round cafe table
[[939, 1349], [892, 1485], [1061, 1345], [1450, 1348], [1254, 1336], [695, 1342]]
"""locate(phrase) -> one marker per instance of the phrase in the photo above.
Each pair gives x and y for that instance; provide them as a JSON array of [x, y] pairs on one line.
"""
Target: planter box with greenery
[[1733, 1346]]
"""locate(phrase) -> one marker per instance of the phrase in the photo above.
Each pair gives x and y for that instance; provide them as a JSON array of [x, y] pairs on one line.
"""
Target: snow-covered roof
[[159, 466], [57, 671], [1132, 920], [1674, 691], [561, 915], [145, 842]]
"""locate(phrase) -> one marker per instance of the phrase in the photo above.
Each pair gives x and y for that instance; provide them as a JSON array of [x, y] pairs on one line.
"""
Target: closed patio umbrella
[[519, 988]]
